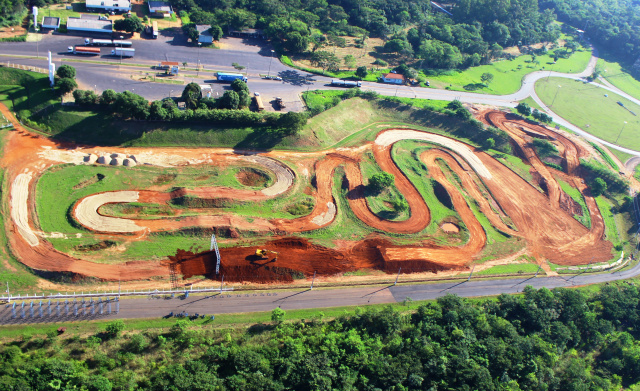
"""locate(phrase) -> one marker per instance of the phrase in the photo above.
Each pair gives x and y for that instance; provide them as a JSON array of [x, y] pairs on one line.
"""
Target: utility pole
[[270, 61], [555, 96]]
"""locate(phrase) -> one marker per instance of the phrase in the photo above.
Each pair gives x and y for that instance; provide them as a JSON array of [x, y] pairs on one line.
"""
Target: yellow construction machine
[[264, 253]]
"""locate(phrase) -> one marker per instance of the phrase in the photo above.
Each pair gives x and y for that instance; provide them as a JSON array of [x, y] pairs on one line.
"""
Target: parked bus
[[259, 103]]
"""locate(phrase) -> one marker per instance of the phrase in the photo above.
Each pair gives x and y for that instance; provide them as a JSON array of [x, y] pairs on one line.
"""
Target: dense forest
[[563, 339], [12, 12], [613, 24], [472, 34]]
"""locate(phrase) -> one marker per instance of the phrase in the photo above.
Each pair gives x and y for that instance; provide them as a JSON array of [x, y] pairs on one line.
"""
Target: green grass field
[[614, 73], [508, 74], [516, 268], [583, 104]]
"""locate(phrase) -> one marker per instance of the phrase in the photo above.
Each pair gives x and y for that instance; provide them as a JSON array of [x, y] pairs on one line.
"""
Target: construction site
[[478, 198]]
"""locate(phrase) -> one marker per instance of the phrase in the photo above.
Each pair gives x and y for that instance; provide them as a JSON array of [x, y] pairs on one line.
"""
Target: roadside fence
[[26, 68]]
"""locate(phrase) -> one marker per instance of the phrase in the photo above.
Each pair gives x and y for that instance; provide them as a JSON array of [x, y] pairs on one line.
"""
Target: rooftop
[[108, 3], [203, 29], [394, 76], [89, 24], [162, 6], [50, 21]]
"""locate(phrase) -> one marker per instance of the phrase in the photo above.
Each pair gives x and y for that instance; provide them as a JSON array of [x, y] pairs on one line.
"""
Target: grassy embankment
[[587, 107]]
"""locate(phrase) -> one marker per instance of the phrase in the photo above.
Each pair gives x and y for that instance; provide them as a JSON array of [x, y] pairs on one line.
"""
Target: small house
[[393, 78], [204, 36], [50, 22], [108, 5], [160, 9]]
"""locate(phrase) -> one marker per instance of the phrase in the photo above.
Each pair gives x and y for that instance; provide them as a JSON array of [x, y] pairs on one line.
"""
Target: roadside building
[[248, 33], [108, 5], [393, 78], [160, 9], [89, 25], [170, 67], [50, 22], [204, 36]]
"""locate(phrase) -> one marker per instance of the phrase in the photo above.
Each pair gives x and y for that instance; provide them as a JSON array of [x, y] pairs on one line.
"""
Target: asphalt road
[[231, 302], [256, 56]]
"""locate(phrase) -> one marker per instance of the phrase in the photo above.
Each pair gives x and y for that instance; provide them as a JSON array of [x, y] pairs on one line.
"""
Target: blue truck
[[231, 77]]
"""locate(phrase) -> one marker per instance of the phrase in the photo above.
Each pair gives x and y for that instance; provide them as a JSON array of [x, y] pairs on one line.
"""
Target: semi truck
[[123, 52], [345, 83], [231, 77], [107, 42], [84, 50]]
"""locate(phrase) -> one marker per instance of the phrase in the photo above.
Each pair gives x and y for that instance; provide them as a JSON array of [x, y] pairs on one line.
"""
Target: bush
[[380, 181], [544, 148], [277, 315], [66, 85], [524, 109], [113, 329], [66, 72]]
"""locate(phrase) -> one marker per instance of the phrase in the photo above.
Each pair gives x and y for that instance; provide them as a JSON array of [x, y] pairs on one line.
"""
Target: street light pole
[[121, 38], [270, 61], [623, 125], [198, 68]]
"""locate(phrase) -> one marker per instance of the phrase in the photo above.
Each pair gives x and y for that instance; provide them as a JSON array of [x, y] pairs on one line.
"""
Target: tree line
[[230, 109], [541, 340], [612, 24], [474, 33]]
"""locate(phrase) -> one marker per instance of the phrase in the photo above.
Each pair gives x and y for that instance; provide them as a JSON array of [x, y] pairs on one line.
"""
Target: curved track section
[[511, 204]]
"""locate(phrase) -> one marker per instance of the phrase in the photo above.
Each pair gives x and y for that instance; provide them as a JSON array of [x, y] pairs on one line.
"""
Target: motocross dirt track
[[550, 232]]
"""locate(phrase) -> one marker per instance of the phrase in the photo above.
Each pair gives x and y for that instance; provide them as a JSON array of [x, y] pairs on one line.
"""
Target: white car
[[256, 93]]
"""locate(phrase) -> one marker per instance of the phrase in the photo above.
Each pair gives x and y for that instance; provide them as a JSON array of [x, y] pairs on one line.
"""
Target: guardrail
[[114, 293], [26, 68]]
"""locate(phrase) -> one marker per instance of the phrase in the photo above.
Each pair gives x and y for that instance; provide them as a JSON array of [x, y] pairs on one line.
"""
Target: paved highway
[[321, 298]]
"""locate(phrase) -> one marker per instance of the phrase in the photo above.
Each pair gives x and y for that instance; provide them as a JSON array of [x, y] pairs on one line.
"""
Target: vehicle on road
[[88, 51], [107, 42], [258, 99], [280, 103], [123, 52], [229, 77], [345, 83]]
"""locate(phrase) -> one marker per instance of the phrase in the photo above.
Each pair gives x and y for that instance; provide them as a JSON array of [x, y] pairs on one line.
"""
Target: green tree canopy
[[191, 95], [132, 24], [230, 100], [65, 71], [66, 85], [380, 181]]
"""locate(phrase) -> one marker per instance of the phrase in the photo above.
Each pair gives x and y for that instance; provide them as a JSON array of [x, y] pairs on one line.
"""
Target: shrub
[[380, 181], [113, 329]]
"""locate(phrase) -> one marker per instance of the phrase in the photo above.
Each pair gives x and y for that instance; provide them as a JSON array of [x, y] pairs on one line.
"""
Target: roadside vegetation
[[577, 338]]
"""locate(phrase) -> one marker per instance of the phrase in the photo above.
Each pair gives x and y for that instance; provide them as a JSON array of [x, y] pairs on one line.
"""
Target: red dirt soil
[[550, 232]]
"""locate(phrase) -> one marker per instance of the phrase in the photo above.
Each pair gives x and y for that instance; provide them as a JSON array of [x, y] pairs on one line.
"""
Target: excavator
[[264, 253]]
